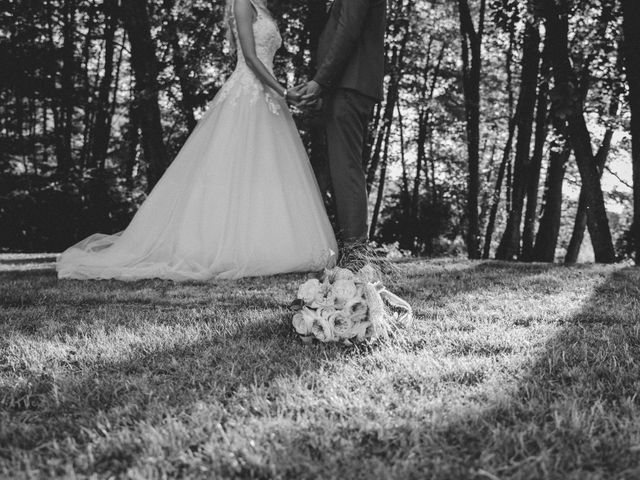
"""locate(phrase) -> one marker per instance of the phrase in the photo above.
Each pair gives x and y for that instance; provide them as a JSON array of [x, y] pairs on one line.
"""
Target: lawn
[[509, 372]]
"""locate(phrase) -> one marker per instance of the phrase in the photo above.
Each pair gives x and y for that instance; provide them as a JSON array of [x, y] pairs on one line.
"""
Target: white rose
[[343, 290], [356, 309], [308, 291], [322, 301], [303, 321], [324, 297], [323, 330], [326, 312], [343, 274], [343, 325]]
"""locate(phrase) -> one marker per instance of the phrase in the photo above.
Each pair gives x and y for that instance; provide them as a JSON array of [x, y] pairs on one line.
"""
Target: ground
[[509, 371]]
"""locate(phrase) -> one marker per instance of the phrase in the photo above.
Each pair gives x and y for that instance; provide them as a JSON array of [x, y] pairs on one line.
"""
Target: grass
[[510, 371]]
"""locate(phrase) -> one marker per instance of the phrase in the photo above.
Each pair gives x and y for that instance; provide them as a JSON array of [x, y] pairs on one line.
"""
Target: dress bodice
[[266, 36], [243, 82]]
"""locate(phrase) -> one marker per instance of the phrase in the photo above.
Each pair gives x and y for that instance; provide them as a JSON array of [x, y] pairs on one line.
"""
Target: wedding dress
[[239, 200]]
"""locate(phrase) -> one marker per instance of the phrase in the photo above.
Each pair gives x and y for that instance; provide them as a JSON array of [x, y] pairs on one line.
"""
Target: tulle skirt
[[239, 200]]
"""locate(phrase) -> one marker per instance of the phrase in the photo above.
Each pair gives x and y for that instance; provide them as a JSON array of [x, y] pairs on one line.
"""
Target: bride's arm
[[244, 14]]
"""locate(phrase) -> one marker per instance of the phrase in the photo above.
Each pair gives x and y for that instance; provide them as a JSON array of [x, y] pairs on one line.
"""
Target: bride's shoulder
[[247, 4], [246, 8]]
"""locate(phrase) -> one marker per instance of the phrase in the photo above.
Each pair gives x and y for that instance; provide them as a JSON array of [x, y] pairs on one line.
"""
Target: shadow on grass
[[443, 279], [39, 286], [17, 260], [153, 380], [144, 381], [14, 266], [575, 413], [571, 415]]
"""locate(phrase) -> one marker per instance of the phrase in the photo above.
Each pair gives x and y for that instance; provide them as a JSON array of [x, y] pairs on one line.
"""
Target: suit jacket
[[351, 47]]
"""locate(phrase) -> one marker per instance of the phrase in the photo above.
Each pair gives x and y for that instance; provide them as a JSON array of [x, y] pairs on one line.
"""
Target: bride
[[239, 200]]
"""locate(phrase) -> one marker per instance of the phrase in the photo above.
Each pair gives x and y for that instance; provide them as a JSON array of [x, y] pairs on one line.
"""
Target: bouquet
[[344, 306]]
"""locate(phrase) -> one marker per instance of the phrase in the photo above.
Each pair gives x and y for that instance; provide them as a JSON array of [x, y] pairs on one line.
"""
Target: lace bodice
[[266, 35], [243, 83]]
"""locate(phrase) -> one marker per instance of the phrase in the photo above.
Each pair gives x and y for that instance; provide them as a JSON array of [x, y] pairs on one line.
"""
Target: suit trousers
[[347, 114]]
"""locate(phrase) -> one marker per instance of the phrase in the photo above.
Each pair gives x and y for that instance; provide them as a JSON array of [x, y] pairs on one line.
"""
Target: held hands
[[294, 96], [305, 95]]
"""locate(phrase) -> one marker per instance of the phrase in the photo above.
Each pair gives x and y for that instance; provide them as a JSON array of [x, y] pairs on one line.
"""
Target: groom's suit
[[351, 70]]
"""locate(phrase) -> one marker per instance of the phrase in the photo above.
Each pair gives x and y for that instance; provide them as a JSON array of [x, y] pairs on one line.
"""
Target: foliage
[[55, 84], [45, 215]]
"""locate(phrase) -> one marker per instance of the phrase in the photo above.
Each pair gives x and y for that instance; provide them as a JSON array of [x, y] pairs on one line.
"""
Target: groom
[[350, 82]]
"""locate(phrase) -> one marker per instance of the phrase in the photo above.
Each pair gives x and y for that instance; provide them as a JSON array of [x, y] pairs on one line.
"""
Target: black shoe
[[356, 255]]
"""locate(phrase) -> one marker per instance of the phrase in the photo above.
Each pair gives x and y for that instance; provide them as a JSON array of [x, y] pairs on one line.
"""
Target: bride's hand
[[294, 95]]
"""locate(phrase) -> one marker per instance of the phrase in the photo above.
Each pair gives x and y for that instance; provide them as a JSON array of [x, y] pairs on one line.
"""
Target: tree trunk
[[423, 130], [390, 105], [387, 118], [631, 14], [65, 160], [421, 140], [102, 128], [573, 250], [145, 67], [404, 193], [187, 102], [486, 196], [577, 235], [544, 249], [132, 138], [19, 96], [374, 126], [542, 127], [495, 201], [567, 89], [88, 97], [509, 247], [318, 147], [380, 194], [472, 70], [580, 223], [505, 163]]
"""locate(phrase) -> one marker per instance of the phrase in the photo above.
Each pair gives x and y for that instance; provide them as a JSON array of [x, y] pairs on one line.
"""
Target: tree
[[504, 167], [400, 28], [573, 250], [64, 118], [308, 44], [631, 20], [472, 37], [145, 66], [187, 102], [567, 88], [102, 128], [533, 182], [92, 93], [544, 249], [510, 245]]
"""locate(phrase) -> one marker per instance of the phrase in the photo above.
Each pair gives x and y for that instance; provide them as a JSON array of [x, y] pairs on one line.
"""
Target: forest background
[[506, 130]]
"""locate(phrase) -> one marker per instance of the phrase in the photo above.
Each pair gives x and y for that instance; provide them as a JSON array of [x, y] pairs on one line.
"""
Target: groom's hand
[[311, 92], [294, 95]]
